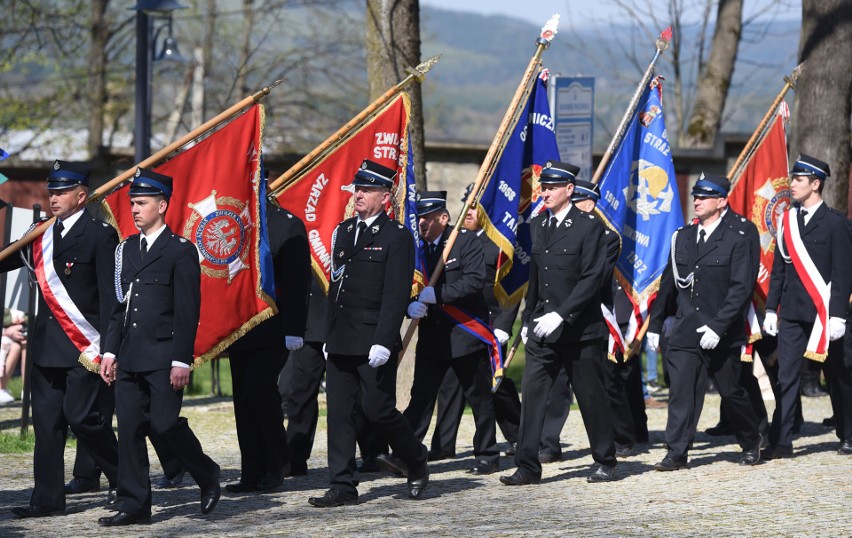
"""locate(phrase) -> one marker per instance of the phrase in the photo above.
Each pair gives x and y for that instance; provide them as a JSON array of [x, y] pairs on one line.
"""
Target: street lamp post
[[144, 59]]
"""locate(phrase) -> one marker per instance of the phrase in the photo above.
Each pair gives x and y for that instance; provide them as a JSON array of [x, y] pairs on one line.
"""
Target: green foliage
[[13, 443], [201, 380]]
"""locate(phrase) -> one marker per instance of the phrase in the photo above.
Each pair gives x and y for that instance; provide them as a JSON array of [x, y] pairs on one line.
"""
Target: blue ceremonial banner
[[639, 199], [411, 222], [507, 202], [267, 268]]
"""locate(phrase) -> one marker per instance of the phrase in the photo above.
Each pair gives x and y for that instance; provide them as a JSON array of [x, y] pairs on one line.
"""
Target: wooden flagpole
[[160, 155], [495, 151]]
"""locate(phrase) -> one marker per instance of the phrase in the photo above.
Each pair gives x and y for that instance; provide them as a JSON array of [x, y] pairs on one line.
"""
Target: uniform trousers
[[305, 369], [350, 380], [755, 396], [473, 373], [146, 403], [558, 407], [451, 403], [257, 411], [688, 370], [582, 363], [62, 398], [616, 378]]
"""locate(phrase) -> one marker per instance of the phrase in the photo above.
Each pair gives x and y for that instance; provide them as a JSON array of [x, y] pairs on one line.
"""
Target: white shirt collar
[[811, 210], [368, 221], [152, 237], [709, 229], [561, 215], [68, 222]]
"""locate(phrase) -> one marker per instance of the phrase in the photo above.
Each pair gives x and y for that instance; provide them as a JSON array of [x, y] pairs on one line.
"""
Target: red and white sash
[[616, 340], [752, 326], [82, 334], [818, 289]]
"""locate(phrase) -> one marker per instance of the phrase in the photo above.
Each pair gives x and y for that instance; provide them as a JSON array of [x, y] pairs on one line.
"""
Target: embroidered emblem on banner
[[219, 227], [770, 202]]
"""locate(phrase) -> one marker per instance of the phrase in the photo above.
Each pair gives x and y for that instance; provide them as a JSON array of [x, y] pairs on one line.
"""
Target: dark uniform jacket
[[368, 298], [288, 242], [317, 303], [566, 274], [722, 287], [501, 318], [460, 285], [89, 245], [826, 238], [159, 324], [737, 223]]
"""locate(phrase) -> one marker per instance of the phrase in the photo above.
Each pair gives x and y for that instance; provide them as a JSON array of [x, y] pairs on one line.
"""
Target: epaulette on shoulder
[[400, 226], [179, 238], [589, 215]]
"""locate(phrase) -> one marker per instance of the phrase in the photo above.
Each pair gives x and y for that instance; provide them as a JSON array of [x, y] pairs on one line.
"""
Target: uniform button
[[547, 300], [547, 251], [134, 324], [346, 276], [546, 284], [698, 308], [135, 309], [545, 268], [137, 280], [136, 295]]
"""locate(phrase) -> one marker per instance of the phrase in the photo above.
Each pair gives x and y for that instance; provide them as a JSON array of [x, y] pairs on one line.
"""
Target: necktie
[[702, 240], [551, 226], [144, 249], [58, 228], [362, 229], [802, 214], [431, 257]]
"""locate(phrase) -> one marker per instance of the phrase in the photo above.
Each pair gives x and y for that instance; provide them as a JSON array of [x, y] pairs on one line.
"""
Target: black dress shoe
[[332, 498], [812, 390], [547, 457], [845, 448], [241, 487], [210, 495], [32, 510], [82, 485], [418, 479], [369, 465], [623, 451], [750, 457], [123, 518], [521, 477], [438, 455], [273, 480], [719, 430], [483, 467], [511, 450], [392, 464], [112, 497], [777, 452], [604, 473], [169, 483], [670, 464]]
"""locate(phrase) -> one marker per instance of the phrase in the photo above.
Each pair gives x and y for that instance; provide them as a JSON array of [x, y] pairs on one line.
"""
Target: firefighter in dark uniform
[[372, 272], [257, 359], [564, 325], [149, 350], [443, 344], [824, 239], [709, 282], [451, 400], [64, 392]]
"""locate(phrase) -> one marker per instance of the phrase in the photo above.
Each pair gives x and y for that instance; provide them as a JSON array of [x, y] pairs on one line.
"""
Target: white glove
[[378, 355], [709, 340], [428, 295], [770, 324], [652, 340], [324, 352], [836, 328], [524, 337], [502, 336], [293, 343], [547, 324], [417, 310]]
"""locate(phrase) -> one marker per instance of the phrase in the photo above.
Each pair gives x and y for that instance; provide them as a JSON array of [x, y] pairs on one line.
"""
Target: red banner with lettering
[[762, 194], [322, 194], [216, 205]]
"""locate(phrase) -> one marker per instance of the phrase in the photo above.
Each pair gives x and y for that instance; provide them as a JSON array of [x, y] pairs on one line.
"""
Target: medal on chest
[[68, 267]]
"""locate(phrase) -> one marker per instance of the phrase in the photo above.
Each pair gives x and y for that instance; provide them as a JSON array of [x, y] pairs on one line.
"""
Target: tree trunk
[[97, 87], [245, 47], [207, 54], [715, 78], [824, 92], [393, 43]]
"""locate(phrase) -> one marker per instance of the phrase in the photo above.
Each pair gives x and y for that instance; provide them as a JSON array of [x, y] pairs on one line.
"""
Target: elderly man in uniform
[[810, 274], [446, 309], [372, 271], [564, 324], [451, 400], [73, 265], [709, 282], [149, 351], [257, 359]]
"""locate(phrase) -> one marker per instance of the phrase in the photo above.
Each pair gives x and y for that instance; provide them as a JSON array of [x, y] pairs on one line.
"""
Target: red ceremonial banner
[[762, 194], [216, 205], [322, 195]]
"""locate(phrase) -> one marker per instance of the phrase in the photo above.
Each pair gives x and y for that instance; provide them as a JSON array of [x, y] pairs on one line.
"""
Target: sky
[[577, 13]]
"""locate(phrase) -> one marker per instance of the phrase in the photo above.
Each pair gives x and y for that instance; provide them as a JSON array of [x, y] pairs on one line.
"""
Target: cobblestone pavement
[[809, 495]]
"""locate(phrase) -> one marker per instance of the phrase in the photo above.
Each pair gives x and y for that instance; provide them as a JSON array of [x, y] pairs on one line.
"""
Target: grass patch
[[13, 443], [201, 379]]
